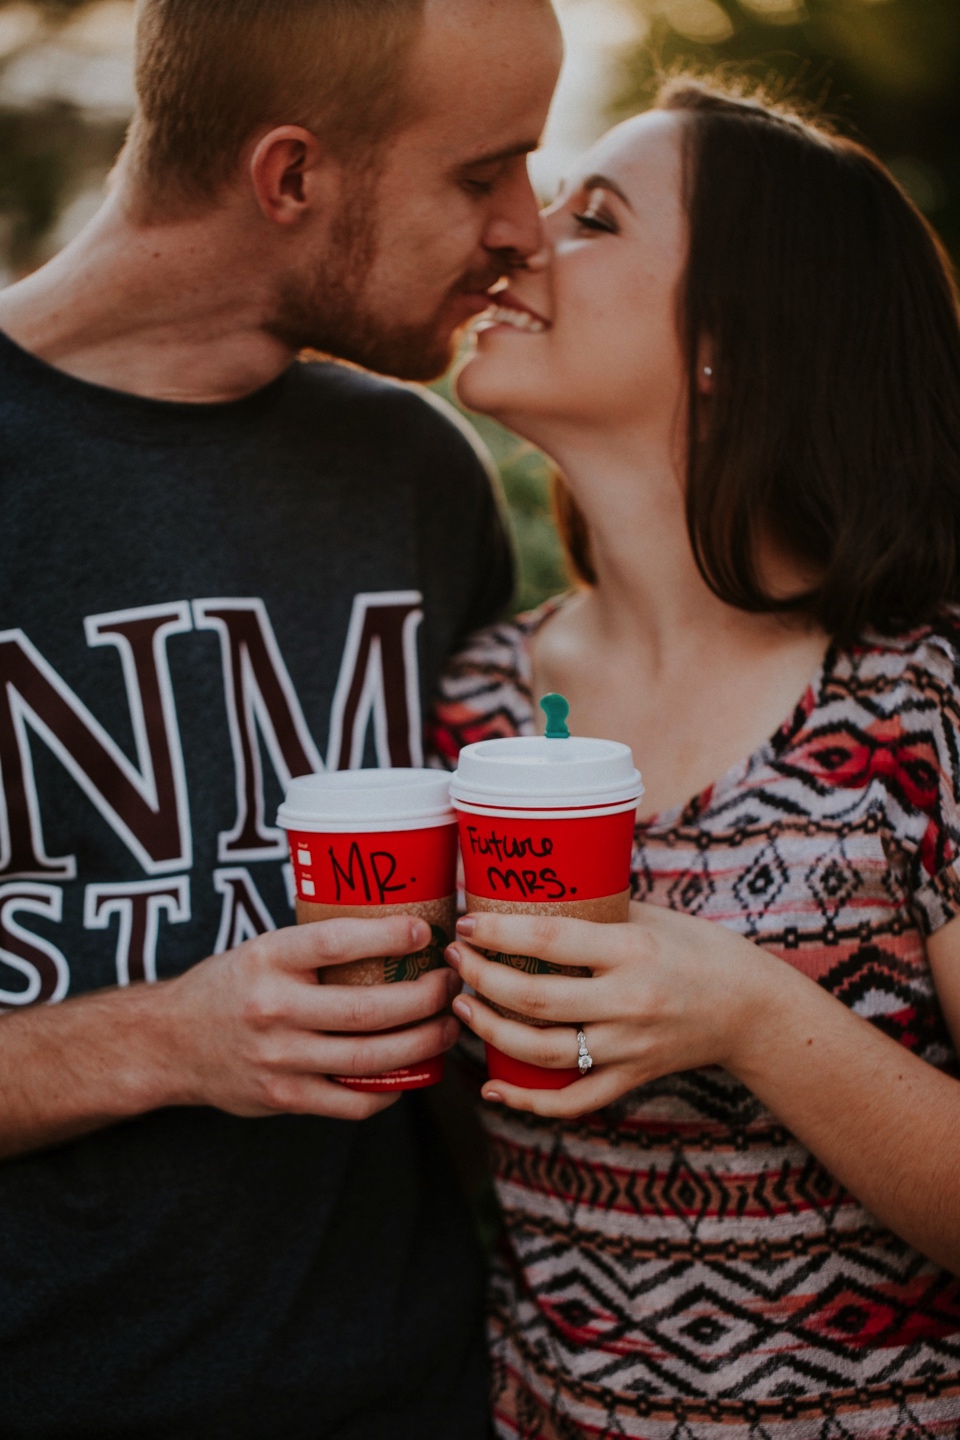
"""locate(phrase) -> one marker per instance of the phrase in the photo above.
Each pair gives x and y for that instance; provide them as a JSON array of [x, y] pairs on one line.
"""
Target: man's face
[[449, 209]]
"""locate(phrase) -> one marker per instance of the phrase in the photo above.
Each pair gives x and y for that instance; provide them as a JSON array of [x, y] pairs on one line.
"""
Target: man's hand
[[255, 1034], [251, 1032]]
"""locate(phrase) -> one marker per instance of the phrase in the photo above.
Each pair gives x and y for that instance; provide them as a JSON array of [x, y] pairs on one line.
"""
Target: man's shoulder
[[388, 411]]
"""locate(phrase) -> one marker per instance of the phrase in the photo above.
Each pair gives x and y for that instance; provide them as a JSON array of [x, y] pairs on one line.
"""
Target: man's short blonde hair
[[212, 73]]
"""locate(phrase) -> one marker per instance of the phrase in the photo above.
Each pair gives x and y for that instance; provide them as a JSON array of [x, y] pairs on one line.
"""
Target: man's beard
[[327, 312]]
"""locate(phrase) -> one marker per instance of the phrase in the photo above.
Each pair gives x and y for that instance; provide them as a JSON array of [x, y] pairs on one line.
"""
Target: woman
[[740, 342]]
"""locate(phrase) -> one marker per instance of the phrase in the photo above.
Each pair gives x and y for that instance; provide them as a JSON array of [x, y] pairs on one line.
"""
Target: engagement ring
[[584, 1059]]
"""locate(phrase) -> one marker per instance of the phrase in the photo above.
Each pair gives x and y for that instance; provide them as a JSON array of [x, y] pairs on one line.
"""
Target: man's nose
[[515, 225]]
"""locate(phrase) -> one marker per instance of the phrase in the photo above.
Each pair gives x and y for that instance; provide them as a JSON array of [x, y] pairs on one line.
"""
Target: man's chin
[[413, 355]]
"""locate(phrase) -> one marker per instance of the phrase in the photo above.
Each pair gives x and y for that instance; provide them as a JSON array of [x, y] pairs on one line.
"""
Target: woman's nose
[[540, 259]]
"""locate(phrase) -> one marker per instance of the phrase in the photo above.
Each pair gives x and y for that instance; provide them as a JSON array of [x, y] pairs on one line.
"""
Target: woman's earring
[[708, 370]]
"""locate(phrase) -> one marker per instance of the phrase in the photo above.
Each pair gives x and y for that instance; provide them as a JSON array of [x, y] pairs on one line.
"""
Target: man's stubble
[[328, 310]]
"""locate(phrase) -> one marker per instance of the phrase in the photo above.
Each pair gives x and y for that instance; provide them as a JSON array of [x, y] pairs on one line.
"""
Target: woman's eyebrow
[[603, 182]]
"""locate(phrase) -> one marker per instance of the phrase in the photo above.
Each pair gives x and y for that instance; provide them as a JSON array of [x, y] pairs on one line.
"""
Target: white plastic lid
[[367, 800], [534, 771]]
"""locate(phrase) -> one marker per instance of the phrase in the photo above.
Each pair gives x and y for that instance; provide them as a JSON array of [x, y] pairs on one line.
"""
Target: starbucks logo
[[397, 968]]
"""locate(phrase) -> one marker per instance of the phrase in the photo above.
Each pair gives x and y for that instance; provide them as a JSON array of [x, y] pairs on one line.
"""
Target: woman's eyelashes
[[597, 220]]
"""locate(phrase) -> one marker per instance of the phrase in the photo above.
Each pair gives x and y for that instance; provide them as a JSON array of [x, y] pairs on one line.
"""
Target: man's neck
[[170, 312]]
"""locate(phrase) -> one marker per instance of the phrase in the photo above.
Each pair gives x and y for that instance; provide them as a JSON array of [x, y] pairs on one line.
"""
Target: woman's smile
[[509, 310]]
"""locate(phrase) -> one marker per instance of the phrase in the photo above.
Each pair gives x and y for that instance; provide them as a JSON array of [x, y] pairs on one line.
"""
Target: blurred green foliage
[[32, 177], [45, 153]]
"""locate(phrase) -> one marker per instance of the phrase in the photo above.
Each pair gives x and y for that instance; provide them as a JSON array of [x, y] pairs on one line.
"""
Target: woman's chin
[[484, 385], [469, 387]]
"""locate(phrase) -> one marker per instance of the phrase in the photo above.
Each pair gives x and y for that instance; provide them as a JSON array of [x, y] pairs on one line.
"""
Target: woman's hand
[[667, 993], [672, 993]]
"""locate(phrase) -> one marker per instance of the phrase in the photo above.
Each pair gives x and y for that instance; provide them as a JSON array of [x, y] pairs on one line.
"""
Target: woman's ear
[[705, 368]]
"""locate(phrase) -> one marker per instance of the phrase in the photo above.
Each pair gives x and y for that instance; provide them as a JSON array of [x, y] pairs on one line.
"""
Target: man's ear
[[285, 170]]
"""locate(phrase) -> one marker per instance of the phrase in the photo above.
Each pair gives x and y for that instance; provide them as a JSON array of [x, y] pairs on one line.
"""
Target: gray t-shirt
[[199, 602]]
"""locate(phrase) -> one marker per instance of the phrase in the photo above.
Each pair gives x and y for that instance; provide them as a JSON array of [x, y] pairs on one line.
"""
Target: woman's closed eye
[[597, 220]]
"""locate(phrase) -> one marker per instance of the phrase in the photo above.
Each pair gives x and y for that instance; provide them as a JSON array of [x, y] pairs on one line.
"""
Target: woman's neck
[[649, 655], [650, 595]]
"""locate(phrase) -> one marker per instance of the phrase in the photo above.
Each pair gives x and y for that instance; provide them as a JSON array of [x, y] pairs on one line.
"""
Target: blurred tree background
[[885, 71]]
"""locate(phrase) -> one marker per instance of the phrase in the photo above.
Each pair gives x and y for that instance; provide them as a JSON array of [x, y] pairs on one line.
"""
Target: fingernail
[[461, 1008], [420, 933], [453, 956], [466, 926], [493, 1095]]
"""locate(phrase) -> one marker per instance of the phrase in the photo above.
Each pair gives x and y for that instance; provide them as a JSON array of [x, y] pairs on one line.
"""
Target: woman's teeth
[[519, 319]]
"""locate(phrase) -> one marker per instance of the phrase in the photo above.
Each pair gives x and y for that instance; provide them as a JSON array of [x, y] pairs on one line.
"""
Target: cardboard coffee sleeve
[[370, 844]]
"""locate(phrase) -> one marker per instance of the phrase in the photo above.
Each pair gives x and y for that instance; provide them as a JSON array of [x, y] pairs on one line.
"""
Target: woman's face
[[587, 332]]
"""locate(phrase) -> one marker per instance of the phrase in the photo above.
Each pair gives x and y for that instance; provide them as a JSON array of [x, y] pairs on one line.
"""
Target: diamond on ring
[[584, 1058]]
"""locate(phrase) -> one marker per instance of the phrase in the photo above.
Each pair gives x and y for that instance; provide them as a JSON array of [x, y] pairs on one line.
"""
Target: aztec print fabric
[[677, 1266]]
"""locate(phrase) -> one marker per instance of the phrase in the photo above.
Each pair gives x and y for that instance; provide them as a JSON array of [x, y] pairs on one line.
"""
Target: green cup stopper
[[557, 711]]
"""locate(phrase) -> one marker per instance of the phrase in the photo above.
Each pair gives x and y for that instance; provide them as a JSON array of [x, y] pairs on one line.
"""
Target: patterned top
[[678, 1267]]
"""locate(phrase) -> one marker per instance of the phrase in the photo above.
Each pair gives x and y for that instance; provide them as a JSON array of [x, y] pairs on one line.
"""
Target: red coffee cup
[[546, 828], [372, 843]]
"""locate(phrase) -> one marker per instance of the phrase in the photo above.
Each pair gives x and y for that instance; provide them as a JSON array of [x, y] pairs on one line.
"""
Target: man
[[223, 569]]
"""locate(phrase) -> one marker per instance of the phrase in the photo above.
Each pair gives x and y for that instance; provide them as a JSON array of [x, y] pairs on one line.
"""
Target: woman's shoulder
[[922, 664], [885, 717], [892, 697], [899, 719], [486, 688], [499, 651]]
